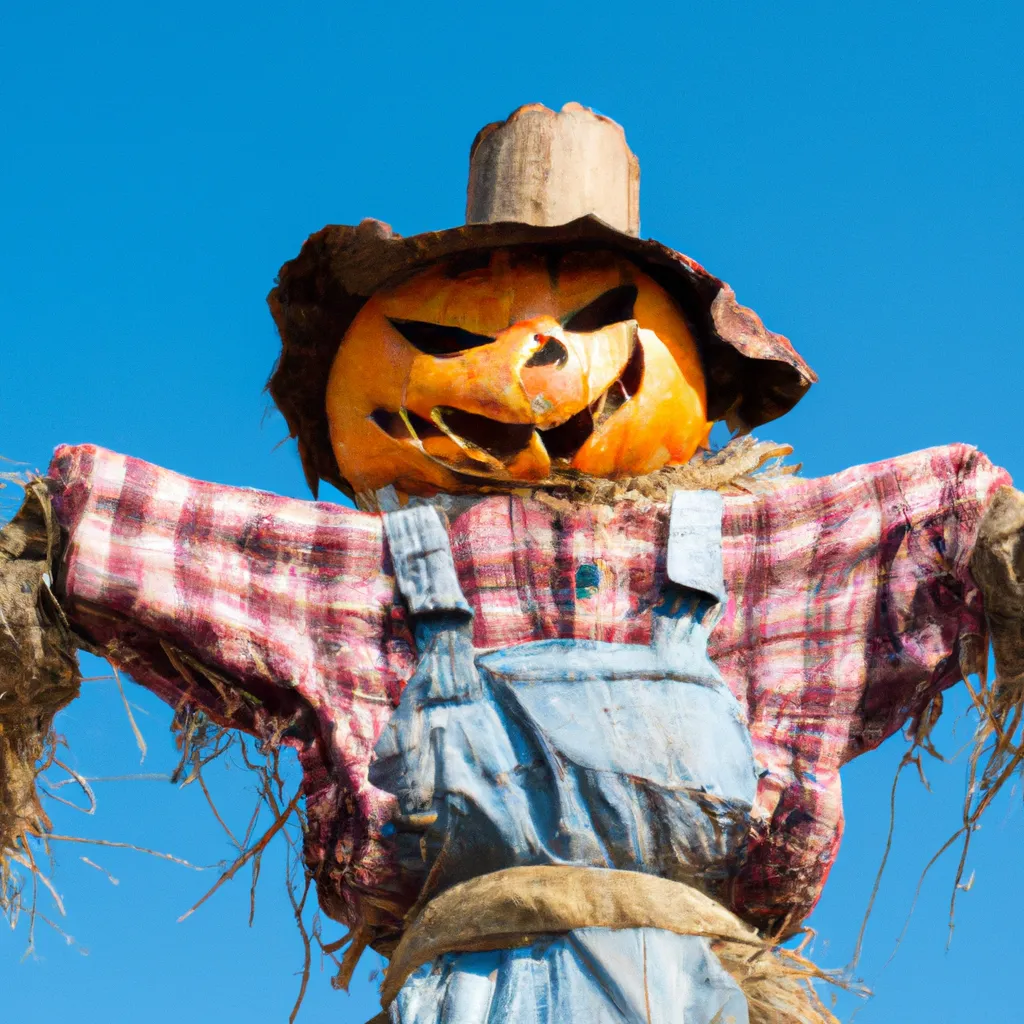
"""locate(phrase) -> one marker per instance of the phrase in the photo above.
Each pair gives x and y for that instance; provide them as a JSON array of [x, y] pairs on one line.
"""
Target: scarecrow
[[570, 692]]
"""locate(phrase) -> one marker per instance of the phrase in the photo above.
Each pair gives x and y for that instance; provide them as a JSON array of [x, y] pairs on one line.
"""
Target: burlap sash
[[515, 907]]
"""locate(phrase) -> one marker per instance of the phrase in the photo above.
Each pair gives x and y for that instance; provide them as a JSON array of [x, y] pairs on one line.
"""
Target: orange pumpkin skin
[[582, 363]]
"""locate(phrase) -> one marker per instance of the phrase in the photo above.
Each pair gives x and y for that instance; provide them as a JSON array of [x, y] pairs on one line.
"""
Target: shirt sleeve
[[270, 614], [928, 628], [852, 607]]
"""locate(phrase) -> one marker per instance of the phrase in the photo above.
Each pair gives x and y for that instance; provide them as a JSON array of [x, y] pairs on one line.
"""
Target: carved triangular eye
[[612, 307], [437, 339]]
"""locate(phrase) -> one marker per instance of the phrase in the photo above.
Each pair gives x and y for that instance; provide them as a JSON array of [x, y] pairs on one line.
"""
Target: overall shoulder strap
[[694, 588], [694, 559], [424, 567]]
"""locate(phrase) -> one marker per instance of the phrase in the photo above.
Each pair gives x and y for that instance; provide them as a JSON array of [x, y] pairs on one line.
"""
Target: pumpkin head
[[511, 367], [539, 340]]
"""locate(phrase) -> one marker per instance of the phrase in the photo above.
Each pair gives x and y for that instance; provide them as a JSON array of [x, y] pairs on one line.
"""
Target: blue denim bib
[[569, 752]]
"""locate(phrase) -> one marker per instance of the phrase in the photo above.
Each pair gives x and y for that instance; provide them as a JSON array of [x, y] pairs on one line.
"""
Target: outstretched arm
[[267, 613], [853, 606], [192, 587]]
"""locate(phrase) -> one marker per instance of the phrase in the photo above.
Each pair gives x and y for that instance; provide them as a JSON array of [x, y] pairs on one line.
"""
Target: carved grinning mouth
[[503, 441]]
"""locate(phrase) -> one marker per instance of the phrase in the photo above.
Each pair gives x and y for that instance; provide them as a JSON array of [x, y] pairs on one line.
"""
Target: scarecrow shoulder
[[947, 487], [195, 588], [957, 474], [852, 599], [938, 494]]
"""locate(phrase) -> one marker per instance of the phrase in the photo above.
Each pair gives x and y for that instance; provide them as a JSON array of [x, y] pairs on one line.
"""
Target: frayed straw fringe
[[38, 676], [779, 983], [744, 464]]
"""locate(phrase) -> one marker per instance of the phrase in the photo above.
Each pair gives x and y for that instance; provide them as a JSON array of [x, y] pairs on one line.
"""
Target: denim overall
[[569, 752]]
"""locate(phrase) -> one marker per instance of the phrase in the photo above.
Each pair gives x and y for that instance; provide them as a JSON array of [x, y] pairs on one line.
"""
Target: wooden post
[[546, 168]]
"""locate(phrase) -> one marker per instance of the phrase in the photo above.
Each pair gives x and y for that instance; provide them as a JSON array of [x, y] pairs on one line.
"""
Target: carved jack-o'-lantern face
[[508, 368]]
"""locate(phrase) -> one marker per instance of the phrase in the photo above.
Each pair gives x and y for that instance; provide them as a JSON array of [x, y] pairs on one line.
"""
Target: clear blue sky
[[854, 171]]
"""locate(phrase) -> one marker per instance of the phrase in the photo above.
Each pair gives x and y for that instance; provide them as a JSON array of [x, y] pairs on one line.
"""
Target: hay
[[38, 676], [997, 565], [779, 983], [744, 464], [201, 742]]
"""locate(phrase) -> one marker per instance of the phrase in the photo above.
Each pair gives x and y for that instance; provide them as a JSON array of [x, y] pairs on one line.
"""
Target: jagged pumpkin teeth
[[499, 439], [532, 464], [498, 372], [466, 446], [450, 454]]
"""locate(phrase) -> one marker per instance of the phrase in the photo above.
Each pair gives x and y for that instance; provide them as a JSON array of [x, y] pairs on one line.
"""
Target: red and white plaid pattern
[[850, 607]]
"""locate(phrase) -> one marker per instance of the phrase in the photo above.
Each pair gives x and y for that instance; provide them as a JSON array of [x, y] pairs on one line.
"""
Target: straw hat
[[540, 178]]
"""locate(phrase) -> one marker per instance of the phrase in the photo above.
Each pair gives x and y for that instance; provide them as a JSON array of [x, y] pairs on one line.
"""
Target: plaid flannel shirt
[[851, 606]]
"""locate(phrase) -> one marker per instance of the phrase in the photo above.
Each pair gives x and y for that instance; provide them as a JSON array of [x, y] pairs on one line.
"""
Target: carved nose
[[551, 378], [551, 352]]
